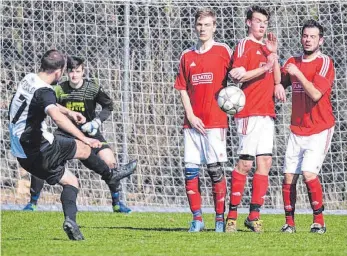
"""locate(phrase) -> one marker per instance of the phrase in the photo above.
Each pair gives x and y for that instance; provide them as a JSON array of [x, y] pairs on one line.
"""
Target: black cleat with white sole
[[318, 228], [122, 172], [72, 230]]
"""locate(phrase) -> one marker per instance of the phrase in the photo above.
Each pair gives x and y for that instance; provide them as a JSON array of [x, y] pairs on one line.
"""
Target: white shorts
[[307, 153], [205, 149], [256, 135]]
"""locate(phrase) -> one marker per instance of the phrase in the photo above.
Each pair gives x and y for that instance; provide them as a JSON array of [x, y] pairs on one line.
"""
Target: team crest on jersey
[[297, 87], [203, 78]]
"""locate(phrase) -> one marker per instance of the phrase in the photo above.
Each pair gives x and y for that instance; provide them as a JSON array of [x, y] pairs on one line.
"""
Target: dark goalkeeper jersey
[[84, 99]]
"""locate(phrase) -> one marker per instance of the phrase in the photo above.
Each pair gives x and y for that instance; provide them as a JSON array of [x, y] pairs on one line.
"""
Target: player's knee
[[309, 176], [108, 157], [215, 171], [264, 160], [245, 163], [290, 178], [69, 179], [191, 171], [82, 151]]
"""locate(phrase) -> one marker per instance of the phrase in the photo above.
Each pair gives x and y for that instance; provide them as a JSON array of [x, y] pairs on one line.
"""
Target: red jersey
[[259, 92], [203, 75], [309, 117]]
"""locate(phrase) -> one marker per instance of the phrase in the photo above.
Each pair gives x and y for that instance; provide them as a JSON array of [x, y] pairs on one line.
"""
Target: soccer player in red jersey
[[255, 123], [311, 76], [202, 74]]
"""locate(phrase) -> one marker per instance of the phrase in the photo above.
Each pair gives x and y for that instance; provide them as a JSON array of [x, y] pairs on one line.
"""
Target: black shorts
[[97, 136], [49, 164]]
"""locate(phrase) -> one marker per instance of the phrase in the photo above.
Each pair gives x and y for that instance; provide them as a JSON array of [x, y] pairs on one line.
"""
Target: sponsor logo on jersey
[[203, 78], [75, 106], [258, 52], [193, 64], [297, 87]]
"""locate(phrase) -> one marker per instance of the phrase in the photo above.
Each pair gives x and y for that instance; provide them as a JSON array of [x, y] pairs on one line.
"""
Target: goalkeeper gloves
[[91, 127]]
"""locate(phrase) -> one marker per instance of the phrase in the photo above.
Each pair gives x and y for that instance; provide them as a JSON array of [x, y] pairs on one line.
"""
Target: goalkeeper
[[82, 96]]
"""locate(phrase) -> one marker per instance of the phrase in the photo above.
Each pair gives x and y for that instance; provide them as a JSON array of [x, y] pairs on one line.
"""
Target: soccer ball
[[231, 100]]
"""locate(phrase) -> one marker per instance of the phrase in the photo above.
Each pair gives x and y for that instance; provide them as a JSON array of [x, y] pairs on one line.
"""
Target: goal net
[[132, 49]]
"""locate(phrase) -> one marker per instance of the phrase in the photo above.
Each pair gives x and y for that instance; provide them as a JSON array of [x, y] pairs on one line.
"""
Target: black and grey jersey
[[27, 115], [84, 99]]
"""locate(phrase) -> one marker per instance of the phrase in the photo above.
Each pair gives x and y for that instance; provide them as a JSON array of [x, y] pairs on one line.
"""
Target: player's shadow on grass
[[158, 229], [149, 229], [136, 228]]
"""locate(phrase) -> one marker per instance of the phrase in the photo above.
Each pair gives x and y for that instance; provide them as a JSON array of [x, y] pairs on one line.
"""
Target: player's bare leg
[[289, 200], [315, 194], [238, 181]]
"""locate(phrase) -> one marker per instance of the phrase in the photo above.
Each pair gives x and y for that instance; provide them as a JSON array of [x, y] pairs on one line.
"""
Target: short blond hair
[[205, 12]]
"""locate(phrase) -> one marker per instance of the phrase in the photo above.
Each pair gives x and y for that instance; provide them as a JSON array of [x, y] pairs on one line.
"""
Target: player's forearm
[[309, 88], [106, 103], [277, 72], [65, 124], [104, 114], [63, 109], [252, 74], [186, 103]]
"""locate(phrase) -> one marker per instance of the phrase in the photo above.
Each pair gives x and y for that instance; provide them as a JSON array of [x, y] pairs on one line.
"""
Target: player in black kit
[[81, 95]]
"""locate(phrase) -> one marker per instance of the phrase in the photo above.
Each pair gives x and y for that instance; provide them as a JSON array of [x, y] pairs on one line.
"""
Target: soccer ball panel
[[231, 100]]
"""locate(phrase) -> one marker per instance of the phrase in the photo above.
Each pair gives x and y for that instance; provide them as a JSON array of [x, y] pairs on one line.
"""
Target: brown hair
[[205, 12]]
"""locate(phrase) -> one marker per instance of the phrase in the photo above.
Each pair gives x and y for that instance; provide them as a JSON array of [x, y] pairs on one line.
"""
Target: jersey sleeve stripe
[[241, 48], [226, 47], [325, 66], [184, 52]]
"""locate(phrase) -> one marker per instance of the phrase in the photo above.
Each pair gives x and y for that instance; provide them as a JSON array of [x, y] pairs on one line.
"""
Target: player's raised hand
[[271, 42], [292, 69], [237, 73], [77, 117], [93, 143], [197, 124], [280, 93]]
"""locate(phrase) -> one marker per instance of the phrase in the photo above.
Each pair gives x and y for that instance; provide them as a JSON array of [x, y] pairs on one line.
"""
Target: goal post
[[132, 49]]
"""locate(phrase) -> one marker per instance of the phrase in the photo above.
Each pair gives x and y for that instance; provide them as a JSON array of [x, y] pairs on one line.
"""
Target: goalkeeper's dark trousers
[[36, 186]]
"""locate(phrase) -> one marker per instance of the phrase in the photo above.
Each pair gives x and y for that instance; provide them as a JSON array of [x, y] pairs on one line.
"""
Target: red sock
[[219, 193], [238, 182], [315, 193], [289, 200], [194, 198], [259, 189]]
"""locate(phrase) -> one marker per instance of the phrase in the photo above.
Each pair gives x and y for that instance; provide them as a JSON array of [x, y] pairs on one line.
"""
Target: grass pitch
[[41, 233]]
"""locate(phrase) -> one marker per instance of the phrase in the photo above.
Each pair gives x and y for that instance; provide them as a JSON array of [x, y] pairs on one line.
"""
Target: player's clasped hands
[[292, 69], [237, 73], [77, 117], [271, 58], [197, 124]]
